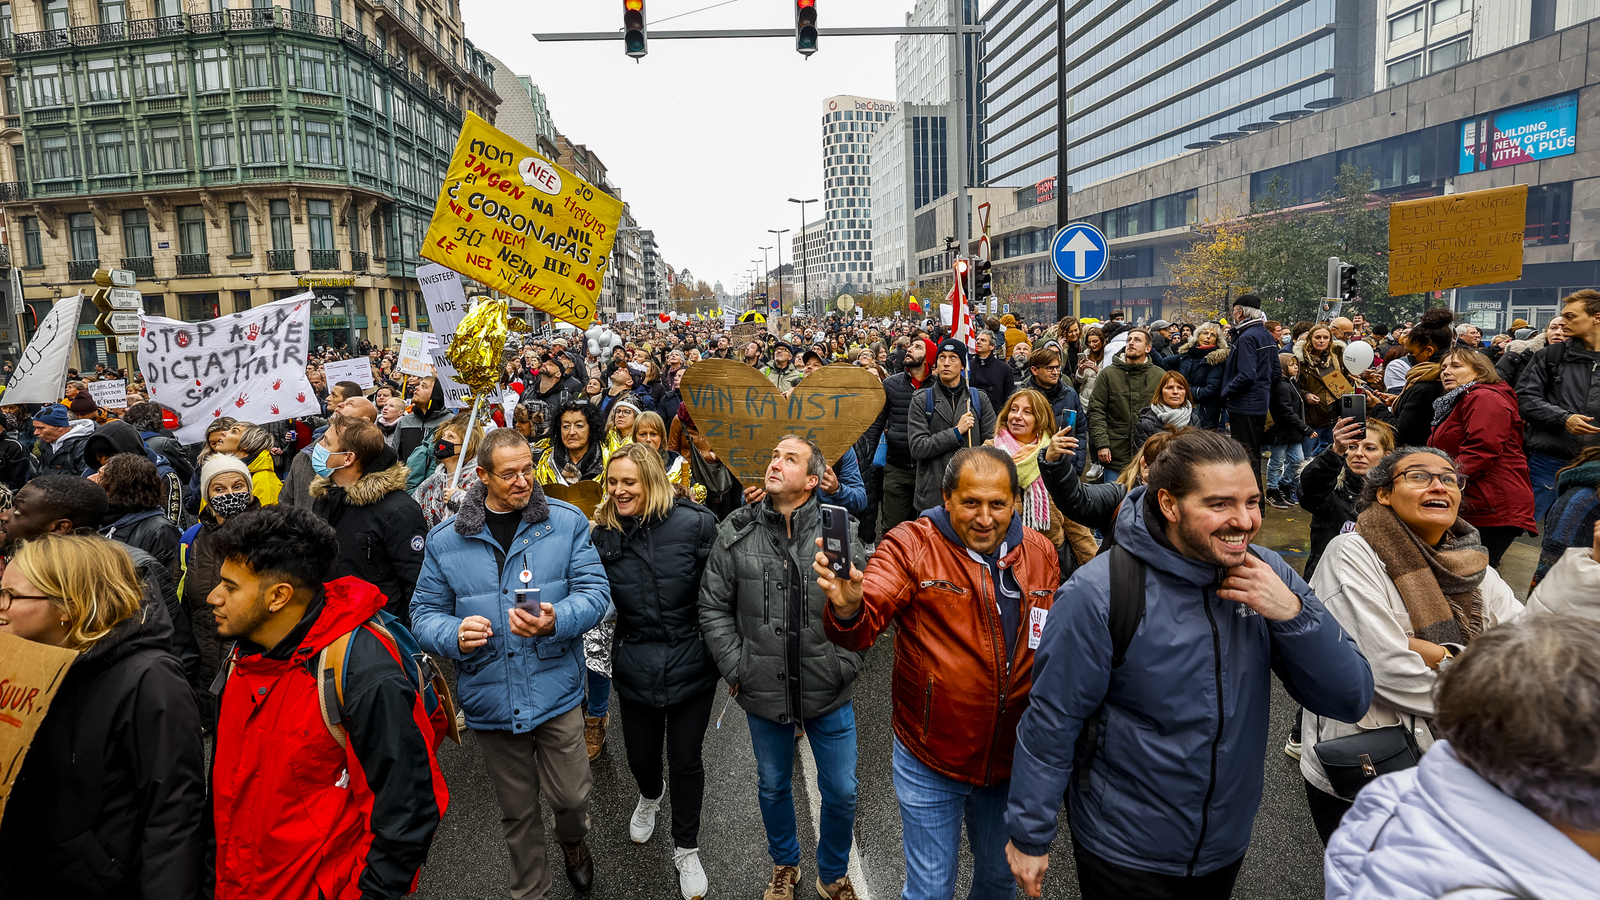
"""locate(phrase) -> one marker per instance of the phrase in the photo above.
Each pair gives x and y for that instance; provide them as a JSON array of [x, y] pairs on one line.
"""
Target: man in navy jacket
[[1166, 801], [1247, 377]]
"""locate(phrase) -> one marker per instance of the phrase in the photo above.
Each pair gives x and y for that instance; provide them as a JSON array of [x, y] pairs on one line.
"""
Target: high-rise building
[[912, 153], [848, 124], [1420, 38], [922, 72], [654, 284], [234, 156], [807, 250], [1149, 81]]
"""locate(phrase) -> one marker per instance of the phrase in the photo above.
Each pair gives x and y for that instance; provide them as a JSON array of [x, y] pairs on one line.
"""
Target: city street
[[469, 858]]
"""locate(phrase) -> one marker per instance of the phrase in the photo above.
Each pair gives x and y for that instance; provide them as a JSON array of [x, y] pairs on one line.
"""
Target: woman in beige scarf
[[1025, 424]]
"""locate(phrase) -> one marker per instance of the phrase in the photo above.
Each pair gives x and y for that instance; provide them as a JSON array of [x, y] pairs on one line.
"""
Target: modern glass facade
[[1150, 80], [848, 125]]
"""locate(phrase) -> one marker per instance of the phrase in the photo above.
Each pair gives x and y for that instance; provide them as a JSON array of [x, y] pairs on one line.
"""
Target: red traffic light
[[805, 26]]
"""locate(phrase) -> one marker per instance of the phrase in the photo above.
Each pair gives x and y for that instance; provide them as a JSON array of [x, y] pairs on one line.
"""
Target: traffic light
[[1347, 282], [805, 26], [984, 289], [633, 36]]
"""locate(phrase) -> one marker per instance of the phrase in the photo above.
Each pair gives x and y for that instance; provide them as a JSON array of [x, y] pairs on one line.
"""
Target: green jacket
[[1122, 390]]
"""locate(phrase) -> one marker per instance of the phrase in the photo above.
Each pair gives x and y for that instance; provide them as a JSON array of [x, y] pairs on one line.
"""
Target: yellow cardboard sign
[[511, 219], [1439, 243]]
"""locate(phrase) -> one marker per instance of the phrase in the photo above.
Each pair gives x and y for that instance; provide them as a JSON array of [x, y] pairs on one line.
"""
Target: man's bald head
[[359, 408], [1344, 326]]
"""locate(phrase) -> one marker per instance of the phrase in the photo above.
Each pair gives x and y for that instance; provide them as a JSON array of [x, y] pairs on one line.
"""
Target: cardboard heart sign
[[585, 495], [743, 416]]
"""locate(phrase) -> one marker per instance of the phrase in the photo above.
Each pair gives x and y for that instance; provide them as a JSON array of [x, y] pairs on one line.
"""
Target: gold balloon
[[479, 340]]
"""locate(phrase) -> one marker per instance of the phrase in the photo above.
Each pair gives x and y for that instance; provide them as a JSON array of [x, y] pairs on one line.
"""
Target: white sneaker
[[644, 819], [1292, 749], [691, 876]]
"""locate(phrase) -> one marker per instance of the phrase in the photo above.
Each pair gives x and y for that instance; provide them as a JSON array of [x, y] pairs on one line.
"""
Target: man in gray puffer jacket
[[762, 615]]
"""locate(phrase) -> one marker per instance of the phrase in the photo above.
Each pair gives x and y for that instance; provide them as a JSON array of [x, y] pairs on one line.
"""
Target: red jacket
[[1483, 432], [295, 815], [957, 699]]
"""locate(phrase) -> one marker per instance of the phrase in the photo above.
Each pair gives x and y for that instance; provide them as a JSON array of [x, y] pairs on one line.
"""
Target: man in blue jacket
[[1164, 805], [1247, 377], [508, 588]]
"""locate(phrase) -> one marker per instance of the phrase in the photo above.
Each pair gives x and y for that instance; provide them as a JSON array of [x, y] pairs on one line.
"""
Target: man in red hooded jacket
[[297, 814]]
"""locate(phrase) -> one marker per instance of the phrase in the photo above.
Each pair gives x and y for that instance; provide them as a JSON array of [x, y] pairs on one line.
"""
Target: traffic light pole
[[760, 33], [958, 99]]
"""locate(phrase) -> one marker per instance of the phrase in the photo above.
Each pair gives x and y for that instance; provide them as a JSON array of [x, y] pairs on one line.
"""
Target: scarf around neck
[[1440, 586], [1035, 498], [1443, 405], [1177, 418]]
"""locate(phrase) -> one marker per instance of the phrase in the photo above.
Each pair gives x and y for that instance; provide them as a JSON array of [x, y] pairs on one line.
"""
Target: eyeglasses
[[514, 477], [6, 598], [1422, 478]]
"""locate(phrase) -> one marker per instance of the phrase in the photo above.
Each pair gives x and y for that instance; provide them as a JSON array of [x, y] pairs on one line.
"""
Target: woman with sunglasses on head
[[1411, 585], [110, 800]]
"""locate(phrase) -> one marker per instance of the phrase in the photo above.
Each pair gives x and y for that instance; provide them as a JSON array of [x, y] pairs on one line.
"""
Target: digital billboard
[[1520, 134]]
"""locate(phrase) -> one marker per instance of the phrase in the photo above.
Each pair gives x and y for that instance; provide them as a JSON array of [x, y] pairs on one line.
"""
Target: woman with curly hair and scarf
[[577, 448]]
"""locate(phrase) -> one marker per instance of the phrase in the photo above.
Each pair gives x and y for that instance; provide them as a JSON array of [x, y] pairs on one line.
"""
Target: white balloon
[[594, 346], [1357, 356]]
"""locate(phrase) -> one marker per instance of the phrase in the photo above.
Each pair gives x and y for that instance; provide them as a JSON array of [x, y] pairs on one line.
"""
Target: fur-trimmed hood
[[470, 520], [369, 488], [1215, 357], [1335, 350]]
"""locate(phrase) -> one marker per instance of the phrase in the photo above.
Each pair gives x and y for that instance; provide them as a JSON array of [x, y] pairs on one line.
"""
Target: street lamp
[[780, 233], [805, 256], [766, 274]]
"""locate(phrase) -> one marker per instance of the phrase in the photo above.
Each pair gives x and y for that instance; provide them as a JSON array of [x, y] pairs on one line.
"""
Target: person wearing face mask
[[225, 485], [360, 491], [433, 494]]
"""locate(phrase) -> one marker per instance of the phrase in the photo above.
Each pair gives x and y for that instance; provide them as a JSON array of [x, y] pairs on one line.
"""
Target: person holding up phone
[[969, 590]]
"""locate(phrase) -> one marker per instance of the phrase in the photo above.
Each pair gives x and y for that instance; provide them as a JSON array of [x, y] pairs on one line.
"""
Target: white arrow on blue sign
[[1079, 252]]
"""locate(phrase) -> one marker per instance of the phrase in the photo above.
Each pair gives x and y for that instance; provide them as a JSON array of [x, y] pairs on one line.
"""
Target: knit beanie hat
[[83, 405], [218, 464]]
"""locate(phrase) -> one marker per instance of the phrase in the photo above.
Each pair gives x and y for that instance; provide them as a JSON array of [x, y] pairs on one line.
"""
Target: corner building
[[848, 124], [234, 156]]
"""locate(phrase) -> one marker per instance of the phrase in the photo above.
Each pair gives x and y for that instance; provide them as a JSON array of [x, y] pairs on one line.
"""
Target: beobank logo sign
[[863, 106]]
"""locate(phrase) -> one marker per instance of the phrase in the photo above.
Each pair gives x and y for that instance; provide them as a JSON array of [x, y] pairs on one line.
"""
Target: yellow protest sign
[[511, 219], [1439, 243]]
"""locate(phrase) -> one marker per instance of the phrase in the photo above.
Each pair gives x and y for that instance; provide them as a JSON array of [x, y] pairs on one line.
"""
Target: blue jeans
[[1318, 441], [598, 701], [833, 745], [1284, 465], [1542, 472], [931, 811]]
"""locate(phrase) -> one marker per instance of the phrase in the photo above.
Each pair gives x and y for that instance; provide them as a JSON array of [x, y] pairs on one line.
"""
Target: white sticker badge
[[1036, 619]]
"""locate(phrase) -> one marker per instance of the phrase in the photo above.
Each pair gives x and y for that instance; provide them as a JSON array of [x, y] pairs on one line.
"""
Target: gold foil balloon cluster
[[479, 342]]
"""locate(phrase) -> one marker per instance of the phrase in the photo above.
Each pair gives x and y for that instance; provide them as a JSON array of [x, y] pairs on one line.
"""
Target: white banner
[[250, 365], [625, 317], [455, 393], [946, 314], [41, 374], [446, 299], [358, 370], [110, 394], [414, 358]]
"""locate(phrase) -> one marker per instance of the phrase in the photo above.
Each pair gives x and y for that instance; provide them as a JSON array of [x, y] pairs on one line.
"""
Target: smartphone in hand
[[527, 600], [1353, 406], [836, 539]]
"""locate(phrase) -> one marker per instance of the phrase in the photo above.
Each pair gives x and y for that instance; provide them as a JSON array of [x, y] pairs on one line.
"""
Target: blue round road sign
[[1080, 253]]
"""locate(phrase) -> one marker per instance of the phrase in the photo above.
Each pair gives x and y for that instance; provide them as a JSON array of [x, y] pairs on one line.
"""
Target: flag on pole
[[961, 323]]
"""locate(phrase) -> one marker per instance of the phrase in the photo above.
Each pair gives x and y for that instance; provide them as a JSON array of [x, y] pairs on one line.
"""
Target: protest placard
[[30, 674], [515, 221], [446, 299], [1439, 243], [743, 416], [585, 495], [251, 365], [625, 317], [109, 394], [745, 332], [455, 393], [42, 371], [415, 358], [358, 370]]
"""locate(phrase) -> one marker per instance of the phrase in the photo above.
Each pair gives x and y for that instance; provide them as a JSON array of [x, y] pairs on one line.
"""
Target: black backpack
[[1126, 612]]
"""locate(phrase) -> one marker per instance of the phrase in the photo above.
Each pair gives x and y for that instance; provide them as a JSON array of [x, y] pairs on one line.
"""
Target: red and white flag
[[961, 325]]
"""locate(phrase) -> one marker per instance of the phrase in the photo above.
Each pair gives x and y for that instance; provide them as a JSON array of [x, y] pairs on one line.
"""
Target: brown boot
[[839, 890], [781, 887], [594, 734]]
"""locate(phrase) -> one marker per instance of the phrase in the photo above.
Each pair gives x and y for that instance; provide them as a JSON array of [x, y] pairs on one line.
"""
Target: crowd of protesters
[[1052, 525]]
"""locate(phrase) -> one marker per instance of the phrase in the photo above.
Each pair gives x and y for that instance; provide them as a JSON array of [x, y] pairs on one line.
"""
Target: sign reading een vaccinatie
[[1439, 243], [513, 220]]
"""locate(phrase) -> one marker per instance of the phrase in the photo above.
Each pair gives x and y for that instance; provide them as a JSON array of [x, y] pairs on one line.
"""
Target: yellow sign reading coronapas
[[511, 219]]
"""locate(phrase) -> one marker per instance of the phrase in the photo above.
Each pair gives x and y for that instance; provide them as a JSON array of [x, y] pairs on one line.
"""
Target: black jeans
[[1326, 811], [1497, 539], [1251, 432], [682, 727], [1100, 879]]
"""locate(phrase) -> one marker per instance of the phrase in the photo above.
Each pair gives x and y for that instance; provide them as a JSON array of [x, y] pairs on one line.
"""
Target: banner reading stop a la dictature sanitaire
[[511, 219]]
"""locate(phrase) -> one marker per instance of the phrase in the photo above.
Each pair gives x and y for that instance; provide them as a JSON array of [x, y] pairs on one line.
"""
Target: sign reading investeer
[[743, 416], [511, 219]]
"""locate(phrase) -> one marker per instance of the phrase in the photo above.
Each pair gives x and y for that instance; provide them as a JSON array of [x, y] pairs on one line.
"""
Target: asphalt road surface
[[469, 858]]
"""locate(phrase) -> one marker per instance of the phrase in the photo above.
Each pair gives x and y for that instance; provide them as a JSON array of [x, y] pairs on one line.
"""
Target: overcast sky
[[706, 139]]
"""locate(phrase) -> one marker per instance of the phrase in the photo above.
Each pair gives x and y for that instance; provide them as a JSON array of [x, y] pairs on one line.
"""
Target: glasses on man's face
[[1422, 478], [514, 477], [6, 598]]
